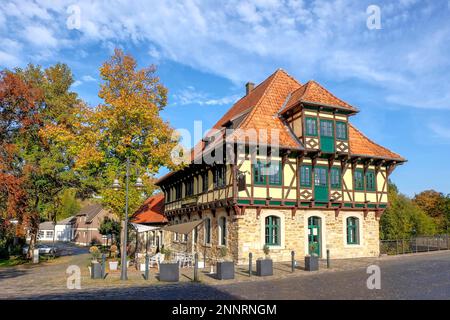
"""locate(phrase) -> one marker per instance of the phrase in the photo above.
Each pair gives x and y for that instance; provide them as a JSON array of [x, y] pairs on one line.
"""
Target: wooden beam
[[293, 212]]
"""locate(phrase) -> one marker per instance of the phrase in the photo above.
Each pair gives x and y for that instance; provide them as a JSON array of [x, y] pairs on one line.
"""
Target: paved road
[[423, 276]]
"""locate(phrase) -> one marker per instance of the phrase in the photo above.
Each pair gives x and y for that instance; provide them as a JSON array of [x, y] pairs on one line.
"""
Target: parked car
[[43, 249]]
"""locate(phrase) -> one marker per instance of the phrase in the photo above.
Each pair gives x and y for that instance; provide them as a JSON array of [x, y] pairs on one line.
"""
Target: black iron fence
[[416, 244]]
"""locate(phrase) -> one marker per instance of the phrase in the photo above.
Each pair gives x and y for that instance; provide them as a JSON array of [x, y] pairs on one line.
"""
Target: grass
[[12, 261]]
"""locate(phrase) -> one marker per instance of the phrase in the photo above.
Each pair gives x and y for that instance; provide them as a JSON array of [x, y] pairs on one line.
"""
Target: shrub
[[95, 252], [266, 250]]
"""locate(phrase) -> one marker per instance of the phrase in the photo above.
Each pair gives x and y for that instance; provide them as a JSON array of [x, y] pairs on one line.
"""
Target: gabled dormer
[[318, 118]]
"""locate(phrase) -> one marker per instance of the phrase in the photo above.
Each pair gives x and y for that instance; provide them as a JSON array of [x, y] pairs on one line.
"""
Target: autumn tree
[[19, 124], [127, 125], [436, 205], [50, 165]]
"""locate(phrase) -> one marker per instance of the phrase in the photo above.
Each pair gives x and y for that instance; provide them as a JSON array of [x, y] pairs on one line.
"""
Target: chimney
[[249, 86]]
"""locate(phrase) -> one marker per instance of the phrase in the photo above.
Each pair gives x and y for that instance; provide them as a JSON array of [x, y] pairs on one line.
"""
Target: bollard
[[147, 263], [292, 261], [250, 255], [196, 267], [103, 265], [328, 258]]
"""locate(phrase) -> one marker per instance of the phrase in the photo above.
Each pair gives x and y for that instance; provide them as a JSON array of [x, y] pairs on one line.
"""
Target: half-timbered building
[[289, 171]]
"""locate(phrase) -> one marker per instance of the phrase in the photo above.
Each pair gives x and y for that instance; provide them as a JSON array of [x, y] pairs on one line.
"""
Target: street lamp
[[116, 186]]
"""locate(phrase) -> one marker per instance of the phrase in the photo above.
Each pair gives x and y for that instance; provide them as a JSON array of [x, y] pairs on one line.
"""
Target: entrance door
[[314, 235], [327, 136], [321, 184]]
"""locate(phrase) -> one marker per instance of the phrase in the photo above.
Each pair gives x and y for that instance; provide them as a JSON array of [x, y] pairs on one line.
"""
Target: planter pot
[[264, 267], [96, 270], [169, 272], [311, 263], [113, 265], [225, 270]]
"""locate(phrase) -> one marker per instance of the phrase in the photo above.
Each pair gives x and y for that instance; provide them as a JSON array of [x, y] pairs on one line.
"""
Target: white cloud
[[440, 131], [88, 78], [40, 36], [190, 95], [248, 40], [77, 83]]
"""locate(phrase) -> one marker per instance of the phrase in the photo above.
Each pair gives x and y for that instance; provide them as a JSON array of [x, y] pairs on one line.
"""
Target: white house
[[63, 231]]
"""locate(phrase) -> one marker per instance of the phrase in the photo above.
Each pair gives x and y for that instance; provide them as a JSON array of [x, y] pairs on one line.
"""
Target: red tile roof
[[313, 92], [360, 145], [260, 110], [152, 211]]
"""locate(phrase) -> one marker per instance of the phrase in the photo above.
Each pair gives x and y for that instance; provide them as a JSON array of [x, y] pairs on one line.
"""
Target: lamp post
[[116, 186]]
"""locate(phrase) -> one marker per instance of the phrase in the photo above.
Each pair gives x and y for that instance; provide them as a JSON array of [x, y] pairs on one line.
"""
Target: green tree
[[404, 219], [110, 227]]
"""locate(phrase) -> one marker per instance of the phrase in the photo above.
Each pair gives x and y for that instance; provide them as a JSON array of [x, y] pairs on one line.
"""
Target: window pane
[[341, 130], [305, 176], [311, 128], [275, 173]]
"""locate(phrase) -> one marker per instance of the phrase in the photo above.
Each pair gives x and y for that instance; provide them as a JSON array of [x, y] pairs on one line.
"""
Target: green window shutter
[[359, 179], [305, 176], [272, 230], [370, 180], [341, 130], [352, 230], [335, 179], [311, 126]]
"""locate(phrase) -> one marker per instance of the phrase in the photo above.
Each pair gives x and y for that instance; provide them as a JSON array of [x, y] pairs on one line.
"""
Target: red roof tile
[[152, 211], [313, 92], [363, 146]]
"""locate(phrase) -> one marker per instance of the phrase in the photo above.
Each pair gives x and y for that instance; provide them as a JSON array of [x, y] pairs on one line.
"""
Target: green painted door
[[314, 235], [327, 136], [321, 184]]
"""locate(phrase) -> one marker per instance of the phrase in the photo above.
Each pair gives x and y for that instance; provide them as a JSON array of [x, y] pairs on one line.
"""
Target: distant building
[[63, 231], [87, 223], [151, 213]]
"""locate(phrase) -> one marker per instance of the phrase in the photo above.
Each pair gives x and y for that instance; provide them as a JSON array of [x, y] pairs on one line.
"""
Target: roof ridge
[[371, 141], [272, 81]]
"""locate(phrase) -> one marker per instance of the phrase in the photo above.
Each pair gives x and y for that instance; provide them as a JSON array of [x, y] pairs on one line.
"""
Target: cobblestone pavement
[[422, 276]]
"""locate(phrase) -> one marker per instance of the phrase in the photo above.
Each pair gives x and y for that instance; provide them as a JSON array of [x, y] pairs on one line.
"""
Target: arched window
[[352, 230], [222, 231], [208, 231], [272, 232]]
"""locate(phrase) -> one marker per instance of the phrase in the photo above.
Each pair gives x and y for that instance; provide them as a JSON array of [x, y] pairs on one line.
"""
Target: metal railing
[[416, 244]]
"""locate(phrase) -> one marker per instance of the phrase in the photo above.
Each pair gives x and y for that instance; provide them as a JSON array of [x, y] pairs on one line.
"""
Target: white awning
[[143, 228], [183, 228]]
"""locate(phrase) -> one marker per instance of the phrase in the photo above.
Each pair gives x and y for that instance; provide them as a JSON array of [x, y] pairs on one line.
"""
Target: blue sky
[[398, 76]]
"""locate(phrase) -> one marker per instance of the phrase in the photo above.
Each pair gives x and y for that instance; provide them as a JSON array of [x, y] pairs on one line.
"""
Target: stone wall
[[245, 234]]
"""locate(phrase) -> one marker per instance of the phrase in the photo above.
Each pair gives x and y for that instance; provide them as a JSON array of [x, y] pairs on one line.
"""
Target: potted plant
[[312, 260], [225, 269], [264, 267], [169, 270], [96, 268], [113, 263]]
